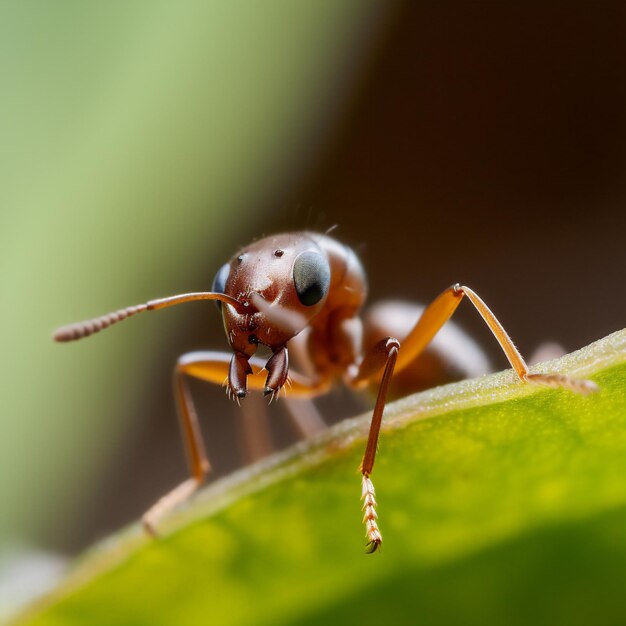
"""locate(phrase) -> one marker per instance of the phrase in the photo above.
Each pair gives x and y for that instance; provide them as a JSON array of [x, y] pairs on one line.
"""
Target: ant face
[[282, 281]]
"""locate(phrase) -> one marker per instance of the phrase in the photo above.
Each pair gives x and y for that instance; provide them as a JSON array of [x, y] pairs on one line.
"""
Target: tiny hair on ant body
[[304, 292]]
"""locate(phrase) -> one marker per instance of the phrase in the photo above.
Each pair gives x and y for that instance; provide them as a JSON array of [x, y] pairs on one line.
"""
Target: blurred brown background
[[474, 142]]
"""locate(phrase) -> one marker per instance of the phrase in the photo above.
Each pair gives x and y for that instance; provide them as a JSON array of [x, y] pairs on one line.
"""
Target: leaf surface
[[499, 503]]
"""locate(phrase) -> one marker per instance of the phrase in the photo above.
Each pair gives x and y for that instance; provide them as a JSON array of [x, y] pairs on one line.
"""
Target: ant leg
[[211, 367], [383, 354], [305, 417], [440, 311], [432, 319], [303, 414], [253, 429], [255, 433], [452, 355], [194, 446]]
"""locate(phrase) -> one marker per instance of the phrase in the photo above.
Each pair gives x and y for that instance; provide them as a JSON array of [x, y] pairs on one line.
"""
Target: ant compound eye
[[311, 277], [219, 282]]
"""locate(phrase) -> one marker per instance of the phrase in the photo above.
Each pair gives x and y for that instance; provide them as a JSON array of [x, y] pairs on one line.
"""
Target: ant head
[[282, 282]]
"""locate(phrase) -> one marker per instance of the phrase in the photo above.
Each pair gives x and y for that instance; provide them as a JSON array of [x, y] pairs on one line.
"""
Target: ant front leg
[[217, 367], [194, 445], [383, 355]]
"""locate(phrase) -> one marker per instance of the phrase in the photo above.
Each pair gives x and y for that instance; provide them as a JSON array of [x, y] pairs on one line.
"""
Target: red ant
[[307, 290]]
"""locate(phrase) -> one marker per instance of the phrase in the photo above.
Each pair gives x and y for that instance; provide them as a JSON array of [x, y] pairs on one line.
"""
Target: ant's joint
[[457, 288], [392, 342]]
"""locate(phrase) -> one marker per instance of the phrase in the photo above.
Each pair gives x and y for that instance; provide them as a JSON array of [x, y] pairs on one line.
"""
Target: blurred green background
[[143, 142]]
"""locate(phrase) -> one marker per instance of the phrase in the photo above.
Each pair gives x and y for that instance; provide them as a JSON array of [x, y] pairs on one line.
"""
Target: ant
[[307, 290]]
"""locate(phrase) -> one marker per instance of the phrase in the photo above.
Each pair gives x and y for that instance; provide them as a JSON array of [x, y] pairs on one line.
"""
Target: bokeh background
[[142, 142]]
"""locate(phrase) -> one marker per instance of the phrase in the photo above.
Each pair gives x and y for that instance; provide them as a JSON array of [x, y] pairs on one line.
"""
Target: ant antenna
[[79, 330]]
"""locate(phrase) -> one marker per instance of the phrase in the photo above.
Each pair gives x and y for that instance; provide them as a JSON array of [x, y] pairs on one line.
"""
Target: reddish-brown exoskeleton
[[306, 291]]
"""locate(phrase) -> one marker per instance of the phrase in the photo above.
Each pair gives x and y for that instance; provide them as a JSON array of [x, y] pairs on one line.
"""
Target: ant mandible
[[269, 293]]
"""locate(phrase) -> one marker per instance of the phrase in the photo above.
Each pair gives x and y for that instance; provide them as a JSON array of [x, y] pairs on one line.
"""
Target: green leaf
[[499, 503]]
